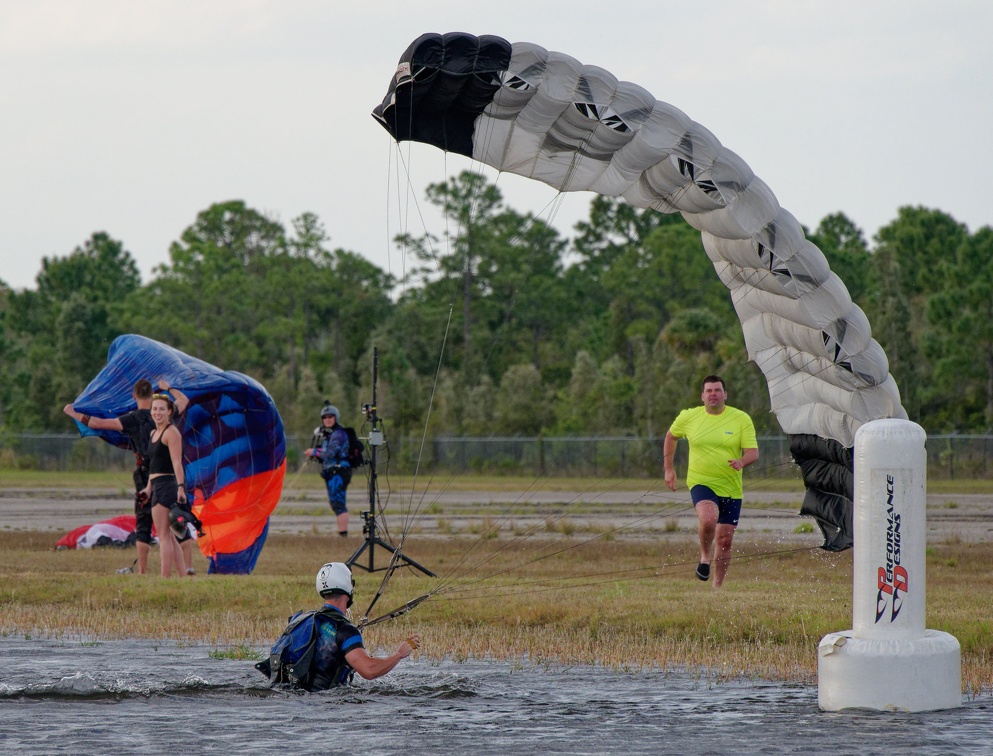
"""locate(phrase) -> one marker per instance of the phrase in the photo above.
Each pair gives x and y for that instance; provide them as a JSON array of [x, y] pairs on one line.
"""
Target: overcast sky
[[131, 117]]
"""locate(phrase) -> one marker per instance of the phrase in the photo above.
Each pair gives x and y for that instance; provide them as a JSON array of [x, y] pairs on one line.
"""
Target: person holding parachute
[[233, 446], [166, 486], [137, 425]]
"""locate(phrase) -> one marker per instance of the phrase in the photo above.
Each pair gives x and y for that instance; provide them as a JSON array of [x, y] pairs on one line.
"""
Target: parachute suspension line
[[450, 583], [410, 512], [545, 585], [578, 502], [411, 196], [466, 272], [472, 588], [468, 590], [461, 569], [406, 506]]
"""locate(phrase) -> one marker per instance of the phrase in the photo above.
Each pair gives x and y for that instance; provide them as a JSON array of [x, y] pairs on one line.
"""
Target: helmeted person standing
[[321, 648], [722, 443], [331, 447]]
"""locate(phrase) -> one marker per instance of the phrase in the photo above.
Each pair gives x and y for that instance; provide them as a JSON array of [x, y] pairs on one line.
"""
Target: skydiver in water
[[331, 447], [166, 481], [328, 657], [137, 425], [722, 443]]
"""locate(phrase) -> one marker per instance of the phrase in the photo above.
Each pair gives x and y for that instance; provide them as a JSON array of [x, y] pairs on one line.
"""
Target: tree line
[[502, 327]]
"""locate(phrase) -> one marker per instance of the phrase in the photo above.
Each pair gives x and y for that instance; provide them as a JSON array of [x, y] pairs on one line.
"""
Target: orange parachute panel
[[235, 516]]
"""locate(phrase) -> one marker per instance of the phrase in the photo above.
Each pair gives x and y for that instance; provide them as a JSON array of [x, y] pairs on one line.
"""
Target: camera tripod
[[369, 527]]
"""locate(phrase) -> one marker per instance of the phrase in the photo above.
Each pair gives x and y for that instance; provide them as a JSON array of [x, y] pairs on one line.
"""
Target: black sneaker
[[703, 571]]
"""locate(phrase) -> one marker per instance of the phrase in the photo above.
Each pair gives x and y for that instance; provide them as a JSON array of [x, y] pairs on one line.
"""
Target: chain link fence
[[950, 457]]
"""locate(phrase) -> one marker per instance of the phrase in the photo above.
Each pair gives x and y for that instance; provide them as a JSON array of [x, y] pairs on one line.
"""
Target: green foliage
[[501, 326], [523, 403], [960, 342]]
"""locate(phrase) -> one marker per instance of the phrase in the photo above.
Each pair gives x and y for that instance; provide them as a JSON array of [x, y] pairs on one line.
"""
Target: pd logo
[[891, 589], [891, 579]]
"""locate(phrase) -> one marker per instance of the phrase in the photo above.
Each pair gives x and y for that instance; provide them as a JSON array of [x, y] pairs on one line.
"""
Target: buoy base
[[894, 674]]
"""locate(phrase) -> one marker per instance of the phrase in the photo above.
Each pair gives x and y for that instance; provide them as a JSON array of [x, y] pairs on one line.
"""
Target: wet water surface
[[146, 697]]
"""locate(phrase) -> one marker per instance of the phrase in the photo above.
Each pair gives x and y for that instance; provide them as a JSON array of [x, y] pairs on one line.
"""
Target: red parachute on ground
[[117, 531]]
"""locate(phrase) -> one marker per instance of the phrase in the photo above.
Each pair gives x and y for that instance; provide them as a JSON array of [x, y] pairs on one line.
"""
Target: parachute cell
[[544, 115], [234, 448]]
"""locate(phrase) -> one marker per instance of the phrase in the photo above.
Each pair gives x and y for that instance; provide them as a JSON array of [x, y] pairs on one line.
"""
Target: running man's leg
[[729, 510], [722, 557], [707, 512]]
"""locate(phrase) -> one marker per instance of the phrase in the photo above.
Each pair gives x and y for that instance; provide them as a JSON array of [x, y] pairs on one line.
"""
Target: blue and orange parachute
[[234, 448]]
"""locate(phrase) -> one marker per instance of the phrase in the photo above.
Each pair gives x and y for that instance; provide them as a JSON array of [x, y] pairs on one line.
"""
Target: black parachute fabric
[[523, 109]]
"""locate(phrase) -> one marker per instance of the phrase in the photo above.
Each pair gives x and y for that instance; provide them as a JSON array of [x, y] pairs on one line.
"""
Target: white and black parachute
[[544, 115]]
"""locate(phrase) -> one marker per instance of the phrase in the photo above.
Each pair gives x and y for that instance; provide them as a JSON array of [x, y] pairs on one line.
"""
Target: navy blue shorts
[[728, 509]]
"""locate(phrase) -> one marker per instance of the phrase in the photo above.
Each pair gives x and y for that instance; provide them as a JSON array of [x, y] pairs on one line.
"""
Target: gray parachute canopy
[[544, 115]]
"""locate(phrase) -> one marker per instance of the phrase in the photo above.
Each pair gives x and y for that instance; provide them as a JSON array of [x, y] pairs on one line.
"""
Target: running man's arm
[[668, 453], [748, 456]]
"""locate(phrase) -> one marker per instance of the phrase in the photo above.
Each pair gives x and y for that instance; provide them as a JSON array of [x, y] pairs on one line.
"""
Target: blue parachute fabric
[[234, 447]]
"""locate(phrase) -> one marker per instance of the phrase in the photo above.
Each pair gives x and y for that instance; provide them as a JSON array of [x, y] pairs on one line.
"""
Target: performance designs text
[[892, 578]]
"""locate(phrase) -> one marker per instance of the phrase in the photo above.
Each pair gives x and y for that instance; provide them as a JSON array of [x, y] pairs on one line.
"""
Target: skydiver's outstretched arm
[[371, 667], [96, 423]]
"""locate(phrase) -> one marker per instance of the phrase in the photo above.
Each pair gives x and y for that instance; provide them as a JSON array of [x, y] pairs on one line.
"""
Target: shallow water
[[146, 697]]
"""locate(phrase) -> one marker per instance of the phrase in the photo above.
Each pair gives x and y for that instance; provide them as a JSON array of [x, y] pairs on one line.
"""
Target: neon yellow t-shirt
[[715, 439]]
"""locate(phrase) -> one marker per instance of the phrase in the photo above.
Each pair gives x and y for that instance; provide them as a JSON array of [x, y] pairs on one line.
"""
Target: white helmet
[[335, 577]]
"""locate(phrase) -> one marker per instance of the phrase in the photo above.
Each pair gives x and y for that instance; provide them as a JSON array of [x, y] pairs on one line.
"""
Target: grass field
[[543, 600]]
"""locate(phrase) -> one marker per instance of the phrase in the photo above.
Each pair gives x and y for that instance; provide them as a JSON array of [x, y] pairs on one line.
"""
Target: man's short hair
[[713, 379], [142, 389]]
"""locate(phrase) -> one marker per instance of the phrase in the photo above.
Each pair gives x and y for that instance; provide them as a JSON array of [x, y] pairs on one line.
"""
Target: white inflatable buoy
[[888, 660]]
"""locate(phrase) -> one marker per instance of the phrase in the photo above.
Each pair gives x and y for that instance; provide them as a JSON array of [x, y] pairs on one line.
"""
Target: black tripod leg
[[412, 563], [358, 552]]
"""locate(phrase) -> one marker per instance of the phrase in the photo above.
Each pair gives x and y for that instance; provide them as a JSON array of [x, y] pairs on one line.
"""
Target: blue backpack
[[291, 659]]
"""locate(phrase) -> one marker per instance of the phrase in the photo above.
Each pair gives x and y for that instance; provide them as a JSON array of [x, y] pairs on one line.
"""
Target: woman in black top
[[166, 481]]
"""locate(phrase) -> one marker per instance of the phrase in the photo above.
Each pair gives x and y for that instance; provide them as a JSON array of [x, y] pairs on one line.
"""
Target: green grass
[[626, 604], [241, 653]]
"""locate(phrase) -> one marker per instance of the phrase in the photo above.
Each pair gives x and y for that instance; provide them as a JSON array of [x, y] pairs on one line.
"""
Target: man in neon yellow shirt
[[722, 443]]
